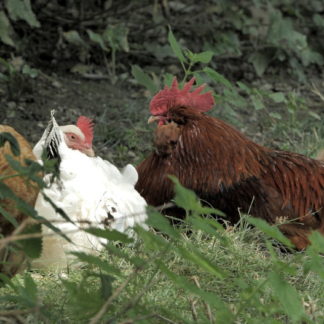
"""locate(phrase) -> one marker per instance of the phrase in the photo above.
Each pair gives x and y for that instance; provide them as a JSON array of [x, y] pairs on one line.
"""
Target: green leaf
[[95, 260], [271, 231], [184, 197], [260, 62], [189, 253], [7, 215], [110, 235], [27, 70], [275, 115], [218, 77], [32, 246], [4, 77], [244, 87], [168, 78], [106, 285], [116, 37], [143, 79], [21, 9], [208, 225], [152, 241], [175, 47], [188, 200], [223, 313], [317, 242], [161, 223], [57, 209], [257, 102], [14, 146], [30, 289], [98, 39], [319, 20], [73, 37], [203, 57], [5, 30], [287, 296], [315, 115], [278, 97]]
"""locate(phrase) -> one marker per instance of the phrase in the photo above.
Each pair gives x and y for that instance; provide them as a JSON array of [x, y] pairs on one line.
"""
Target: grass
[[241, 254], [207, 275]]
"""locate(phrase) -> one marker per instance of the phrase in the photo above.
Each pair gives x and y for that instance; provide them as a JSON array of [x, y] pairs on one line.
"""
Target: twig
[[165, 206], [92, 76], [137, 319], [207, 307], [14, 312], [193, 303], [165, 319]]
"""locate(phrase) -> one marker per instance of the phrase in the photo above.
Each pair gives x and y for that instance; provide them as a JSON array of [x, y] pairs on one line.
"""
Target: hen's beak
[[88, 151], [152, 119]]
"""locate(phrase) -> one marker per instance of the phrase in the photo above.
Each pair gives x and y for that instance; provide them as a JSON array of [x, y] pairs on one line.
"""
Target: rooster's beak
[[152, 119]]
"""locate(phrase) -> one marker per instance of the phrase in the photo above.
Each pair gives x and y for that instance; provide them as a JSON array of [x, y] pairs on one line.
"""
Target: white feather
[[91, 191]]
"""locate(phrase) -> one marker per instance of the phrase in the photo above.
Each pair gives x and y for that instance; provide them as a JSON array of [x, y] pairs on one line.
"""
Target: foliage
[[199, 271], [15, 74], [210, 275], [268, 36]]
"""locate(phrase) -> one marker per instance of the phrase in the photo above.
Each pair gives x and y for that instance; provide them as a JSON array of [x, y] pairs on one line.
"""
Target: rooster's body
[[227, 170], [92, 192], [22, 188]]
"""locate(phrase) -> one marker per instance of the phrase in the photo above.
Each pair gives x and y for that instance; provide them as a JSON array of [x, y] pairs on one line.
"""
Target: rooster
[[13, 261], [228, 170], [89, 190]]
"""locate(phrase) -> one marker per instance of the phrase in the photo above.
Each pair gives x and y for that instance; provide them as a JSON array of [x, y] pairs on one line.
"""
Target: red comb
[[86, 126], [173, 97]]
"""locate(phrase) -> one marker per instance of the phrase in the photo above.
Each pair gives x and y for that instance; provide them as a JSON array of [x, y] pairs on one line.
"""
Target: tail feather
[[53, 139]]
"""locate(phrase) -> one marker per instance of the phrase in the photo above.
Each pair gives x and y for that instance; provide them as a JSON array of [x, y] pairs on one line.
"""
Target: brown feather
[[22, 188], [231, 172]]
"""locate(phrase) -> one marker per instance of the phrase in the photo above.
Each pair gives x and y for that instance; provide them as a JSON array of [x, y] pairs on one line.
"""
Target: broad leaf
[[218, 77], [260, 62], [5, 30], [143, 79], [161, 223], [203, 57], [190, 253], [98, 39], [73, 37], [95, 260], [287, 296], [32, 246], [21, 9], [277, 97], [176, 47], [271, 231], [110, 235]]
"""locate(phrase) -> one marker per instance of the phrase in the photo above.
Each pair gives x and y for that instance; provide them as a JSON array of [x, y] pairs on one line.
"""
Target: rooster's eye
[[73, 137]]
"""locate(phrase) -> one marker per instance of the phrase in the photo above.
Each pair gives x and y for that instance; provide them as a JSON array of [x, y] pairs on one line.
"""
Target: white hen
[[90, 190]]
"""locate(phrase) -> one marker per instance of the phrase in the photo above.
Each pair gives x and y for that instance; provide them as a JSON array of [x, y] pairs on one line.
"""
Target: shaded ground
[[120, 112], [113, 109]]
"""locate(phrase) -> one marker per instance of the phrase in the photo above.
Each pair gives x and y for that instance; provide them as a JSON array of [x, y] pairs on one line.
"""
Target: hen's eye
[[73, 137]]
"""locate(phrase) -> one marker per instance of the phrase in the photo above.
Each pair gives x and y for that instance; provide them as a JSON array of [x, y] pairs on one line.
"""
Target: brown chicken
[[11, 262], [228, 170]]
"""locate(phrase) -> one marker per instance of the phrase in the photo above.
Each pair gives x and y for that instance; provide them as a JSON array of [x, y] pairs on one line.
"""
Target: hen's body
[[234, 174], [22, 188], [92, 192]]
